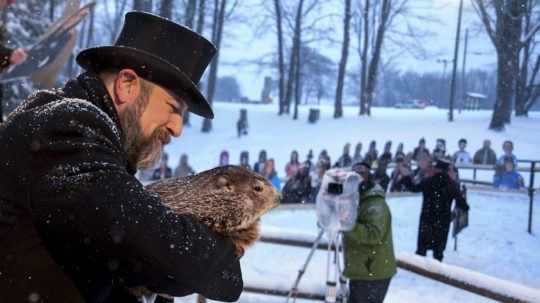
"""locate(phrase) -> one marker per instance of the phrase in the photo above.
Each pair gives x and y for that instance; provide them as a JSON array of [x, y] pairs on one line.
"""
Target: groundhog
[[230, 200]]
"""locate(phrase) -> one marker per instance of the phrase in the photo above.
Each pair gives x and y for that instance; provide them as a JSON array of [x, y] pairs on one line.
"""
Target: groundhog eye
[[258, 188]]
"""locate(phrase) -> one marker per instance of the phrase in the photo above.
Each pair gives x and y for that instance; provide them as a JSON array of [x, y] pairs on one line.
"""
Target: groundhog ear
[[223, 182]]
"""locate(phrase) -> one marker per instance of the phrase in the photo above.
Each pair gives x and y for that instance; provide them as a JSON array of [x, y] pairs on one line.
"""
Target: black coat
[[438, 193], [65, 173]]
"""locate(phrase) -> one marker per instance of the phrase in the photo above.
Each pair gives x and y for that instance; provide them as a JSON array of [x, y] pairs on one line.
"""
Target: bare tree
[[281, 63], [143, 5], [372, 69], [364, 58], [338, 107], [527, 89], [219, 20], [201, 17], [189, 14], [166, 9], [295, 54], [502, 21]]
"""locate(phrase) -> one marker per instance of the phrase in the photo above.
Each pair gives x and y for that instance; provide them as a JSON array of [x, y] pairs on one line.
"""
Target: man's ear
[[127, 87]]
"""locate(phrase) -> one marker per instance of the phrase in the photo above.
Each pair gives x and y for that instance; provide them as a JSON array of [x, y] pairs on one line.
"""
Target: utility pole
[[443, 80], [456, 49], [463, 71]]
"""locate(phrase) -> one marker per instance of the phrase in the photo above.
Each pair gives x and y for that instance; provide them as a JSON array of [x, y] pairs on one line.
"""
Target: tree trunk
[[166, 8], [363, 59], [377, 48], [200, 19], [189, 14], [504, 92], [338, 107], [281, 64], [199, 29], [219, 19], [52, 7], [295, 54], [521, 80], [90, 33], [297, 81], [143, 5]]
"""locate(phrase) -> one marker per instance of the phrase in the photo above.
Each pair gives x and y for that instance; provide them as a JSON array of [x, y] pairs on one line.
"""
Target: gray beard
[[142, 153]]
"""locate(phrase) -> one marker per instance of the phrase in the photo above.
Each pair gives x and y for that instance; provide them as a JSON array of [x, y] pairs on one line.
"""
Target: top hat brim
[[150, 67]]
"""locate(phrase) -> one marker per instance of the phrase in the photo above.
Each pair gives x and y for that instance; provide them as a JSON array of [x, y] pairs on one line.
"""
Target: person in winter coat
[[420, 150], [439, 191], [399, 152], [396, 178], [486, 155], [224, 158], [462, 157], [440, 150], [164, 171], [380, 176], [357, 157], [8, 56], [309, 160], [370, 263], [183, 169], [386, 156], [323, 156], [271, 174], [372, 154], [292, 167], [258, 167], [81, 227], [244, 160], [508, 149], [316, 177], [298, 188], [345, 159], [510, 179]]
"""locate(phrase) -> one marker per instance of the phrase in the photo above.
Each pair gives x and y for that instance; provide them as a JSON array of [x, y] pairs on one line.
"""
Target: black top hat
[[160, 51]]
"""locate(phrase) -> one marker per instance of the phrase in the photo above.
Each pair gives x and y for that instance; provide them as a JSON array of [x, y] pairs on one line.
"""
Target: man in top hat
[[439, 191], [75, 224]]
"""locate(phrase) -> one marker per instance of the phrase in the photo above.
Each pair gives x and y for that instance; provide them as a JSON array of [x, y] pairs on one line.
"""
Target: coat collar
[[88, 86]]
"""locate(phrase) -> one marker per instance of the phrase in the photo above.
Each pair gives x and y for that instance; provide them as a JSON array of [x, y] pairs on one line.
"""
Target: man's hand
[[18, 56]]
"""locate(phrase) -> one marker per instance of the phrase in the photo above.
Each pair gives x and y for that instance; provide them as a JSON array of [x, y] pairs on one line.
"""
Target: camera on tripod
[[337, 201]]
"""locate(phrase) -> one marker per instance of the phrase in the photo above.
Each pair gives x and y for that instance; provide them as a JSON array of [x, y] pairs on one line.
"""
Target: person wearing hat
[[438, 191], [8, 56], [75, 223], [370, 263]]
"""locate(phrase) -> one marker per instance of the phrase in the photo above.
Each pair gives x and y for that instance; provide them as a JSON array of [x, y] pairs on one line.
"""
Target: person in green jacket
[[370, 263]]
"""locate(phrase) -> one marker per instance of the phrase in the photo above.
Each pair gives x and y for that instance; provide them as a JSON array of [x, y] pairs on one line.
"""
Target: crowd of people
[[302, 178]]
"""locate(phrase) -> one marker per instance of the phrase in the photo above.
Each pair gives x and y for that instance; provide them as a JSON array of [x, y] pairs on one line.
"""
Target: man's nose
[[175, 125]]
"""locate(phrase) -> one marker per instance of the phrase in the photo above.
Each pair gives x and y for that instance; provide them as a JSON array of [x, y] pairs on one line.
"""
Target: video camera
[[337, 201]]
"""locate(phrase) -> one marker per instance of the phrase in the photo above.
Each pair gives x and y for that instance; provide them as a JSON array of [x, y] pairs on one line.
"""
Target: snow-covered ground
[[496, 242], [279, 135]]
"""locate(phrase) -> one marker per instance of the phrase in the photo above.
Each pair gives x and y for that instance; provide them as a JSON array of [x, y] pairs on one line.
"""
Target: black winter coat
[[78, 217], [438, 193]]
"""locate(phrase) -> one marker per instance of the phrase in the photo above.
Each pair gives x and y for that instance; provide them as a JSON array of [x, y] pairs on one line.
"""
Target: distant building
[[474, 101]]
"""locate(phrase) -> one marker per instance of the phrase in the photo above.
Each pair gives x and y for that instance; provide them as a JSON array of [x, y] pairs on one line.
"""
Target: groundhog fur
[[230, 200]]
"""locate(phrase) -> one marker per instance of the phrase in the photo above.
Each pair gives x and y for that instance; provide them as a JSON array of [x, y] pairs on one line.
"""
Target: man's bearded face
[[143, 152]]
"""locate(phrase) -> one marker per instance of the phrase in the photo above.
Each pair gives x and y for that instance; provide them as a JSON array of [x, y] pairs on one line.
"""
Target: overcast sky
[[241, 45]]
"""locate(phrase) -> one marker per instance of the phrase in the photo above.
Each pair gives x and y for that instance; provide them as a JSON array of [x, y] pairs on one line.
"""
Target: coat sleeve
[[458, 196], [411, 186], [83, 193], [371, 226]]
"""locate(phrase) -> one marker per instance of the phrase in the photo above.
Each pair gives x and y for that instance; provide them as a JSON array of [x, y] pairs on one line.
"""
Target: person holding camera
[[370, 263], [438, 190]]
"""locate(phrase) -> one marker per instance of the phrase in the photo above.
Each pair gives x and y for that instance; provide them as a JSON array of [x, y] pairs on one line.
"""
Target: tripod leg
[[294, 290], [330, 283]]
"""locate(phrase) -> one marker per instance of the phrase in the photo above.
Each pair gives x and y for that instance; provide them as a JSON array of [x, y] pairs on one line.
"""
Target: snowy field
[[279, 135], [496, 242]]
